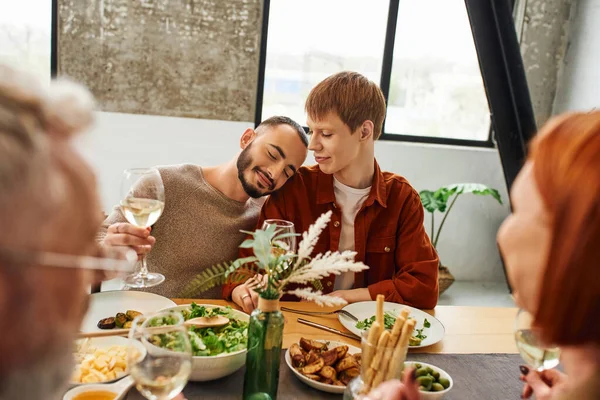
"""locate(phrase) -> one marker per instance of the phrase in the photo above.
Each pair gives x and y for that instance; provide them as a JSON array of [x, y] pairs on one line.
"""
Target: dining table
[[478, 350]]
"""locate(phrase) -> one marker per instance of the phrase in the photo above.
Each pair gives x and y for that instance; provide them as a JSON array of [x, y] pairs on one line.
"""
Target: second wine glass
[[282, 227], [143, 201], [162, 371], [534, 352]]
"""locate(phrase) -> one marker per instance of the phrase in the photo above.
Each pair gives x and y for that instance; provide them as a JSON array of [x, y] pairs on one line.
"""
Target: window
[[436, 88], [435, 91], [25, 31], [305, 44]]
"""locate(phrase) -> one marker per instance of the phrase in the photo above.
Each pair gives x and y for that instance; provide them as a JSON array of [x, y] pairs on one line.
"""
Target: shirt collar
[[378, 192]]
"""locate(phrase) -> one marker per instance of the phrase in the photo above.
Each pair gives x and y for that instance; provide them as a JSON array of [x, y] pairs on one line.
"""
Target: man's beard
[[243, 163], [47, 379]]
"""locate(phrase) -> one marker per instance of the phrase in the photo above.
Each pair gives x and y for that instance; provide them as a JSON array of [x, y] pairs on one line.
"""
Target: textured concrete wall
[[186, 58], [579, 82], [544, 38]]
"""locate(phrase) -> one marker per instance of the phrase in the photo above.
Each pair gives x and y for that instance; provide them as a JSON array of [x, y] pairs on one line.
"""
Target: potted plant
[[279, 267], [438, 201]]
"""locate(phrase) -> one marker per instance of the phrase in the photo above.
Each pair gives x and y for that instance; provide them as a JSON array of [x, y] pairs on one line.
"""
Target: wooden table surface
[[468, 329]]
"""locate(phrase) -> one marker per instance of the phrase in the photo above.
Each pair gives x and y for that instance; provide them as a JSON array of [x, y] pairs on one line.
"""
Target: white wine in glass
[[163, 370], [537, 355], [143, 201]]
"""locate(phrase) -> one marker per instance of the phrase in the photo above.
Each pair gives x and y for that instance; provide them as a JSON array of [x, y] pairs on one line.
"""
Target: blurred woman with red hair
[[551, 249]]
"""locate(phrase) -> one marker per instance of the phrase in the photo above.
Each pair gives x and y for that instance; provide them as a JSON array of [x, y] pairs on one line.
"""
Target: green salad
[[207, 341], [389, 318]]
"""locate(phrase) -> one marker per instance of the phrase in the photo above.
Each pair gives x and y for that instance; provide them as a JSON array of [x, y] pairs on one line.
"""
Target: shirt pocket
[[380, 256]]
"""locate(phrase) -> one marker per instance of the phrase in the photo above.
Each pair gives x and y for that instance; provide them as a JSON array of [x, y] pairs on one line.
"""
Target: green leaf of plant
[[428, 200], [475, 188], [246, 244], [285, 235]]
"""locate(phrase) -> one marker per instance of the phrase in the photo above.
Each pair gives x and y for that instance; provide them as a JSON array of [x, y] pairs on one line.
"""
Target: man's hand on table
[[245, 296], [353, 295], [125, 234]]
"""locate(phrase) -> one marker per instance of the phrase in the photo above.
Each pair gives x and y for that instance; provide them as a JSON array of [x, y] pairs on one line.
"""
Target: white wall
[[467, 244], [579, 83]]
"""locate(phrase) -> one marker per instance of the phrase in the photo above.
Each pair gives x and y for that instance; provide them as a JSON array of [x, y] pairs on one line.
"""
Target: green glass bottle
[[265, 338]]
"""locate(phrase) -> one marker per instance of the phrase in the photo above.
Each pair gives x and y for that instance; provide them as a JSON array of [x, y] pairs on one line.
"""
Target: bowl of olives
[[434, 382]]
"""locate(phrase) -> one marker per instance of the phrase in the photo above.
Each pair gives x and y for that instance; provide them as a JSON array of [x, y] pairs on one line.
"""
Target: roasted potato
[[346, 363], [341, 352], [347, 375], [331, 366], [313, 377], [309, 345], [311, 357], [330, 356], [328, 372], [298, 359], [312, 368]]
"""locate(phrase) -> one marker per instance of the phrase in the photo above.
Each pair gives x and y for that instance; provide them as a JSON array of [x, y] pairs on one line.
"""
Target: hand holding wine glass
[[162, 371], [538, 355], [143, 201]]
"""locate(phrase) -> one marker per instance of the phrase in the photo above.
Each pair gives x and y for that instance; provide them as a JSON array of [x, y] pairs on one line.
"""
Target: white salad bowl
[[208, 368]]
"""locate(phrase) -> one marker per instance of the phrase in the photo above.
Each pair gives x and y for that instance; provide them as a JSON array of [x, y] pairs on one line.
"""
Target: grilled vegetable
[[120, 320], [106, 323], [127, 325], [131, 314]]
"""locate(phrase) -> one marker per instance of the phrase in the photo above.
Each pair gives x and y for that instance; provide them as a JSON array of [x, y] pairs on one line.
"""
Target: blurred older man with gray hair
[[49, 216]]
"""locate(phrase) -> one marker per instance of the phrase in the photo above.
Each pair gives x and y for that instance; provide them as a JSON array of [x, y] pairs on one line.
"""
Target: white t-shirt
[[350, 200]]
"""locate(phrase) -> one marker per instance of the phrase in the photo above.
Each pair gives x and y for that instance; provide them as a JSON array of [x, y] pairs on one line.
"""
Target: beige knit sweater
[[199, 227]]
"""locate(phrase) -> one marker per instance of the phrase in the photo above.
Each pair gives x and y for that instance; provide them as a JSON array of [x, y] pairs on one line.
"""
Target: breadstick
[[376, 363], [379, 314], [404, 313], [372, 339], [396, 331], [397, 362]]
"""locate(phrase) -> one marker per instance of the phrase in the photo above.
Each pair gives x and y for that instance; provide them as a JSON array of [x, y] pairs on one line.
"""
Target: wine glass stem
[[143, 268]]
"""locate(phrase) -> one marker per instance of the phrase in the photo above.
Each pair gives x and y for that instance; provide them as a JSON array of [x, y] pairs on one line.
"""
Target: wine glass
[[283, 227], [143, 201], [159, 355], [536, 354]]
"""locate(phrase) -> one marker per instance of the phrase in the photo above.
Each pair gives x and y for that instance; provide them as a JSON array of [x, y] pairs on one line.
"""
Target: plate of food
[[102, 360], [219, 351], [112, 310], [429, 330], [324, 365]]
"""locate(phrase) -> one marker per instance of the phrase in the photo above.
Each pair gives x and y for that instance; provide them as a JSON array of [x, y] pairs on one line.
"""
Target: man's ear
[[366, 130], [247, 137]]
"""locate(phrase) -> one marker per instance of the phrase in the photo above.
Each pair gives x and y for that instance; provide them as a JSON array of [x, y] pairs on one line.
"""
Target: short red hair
[[566, 168], [352, 97]]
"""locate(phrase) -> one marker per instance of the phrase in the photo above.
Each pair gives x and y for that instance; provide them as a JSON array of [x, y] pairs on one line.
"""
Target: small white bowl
[[105, 343], [324, 387], [209, 368], [443, 374]]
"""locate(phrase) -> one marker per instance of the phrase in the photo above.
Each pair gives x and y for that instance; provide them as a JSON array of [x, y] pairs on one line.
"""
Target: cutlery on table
[[342, 312], [328, 329]]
